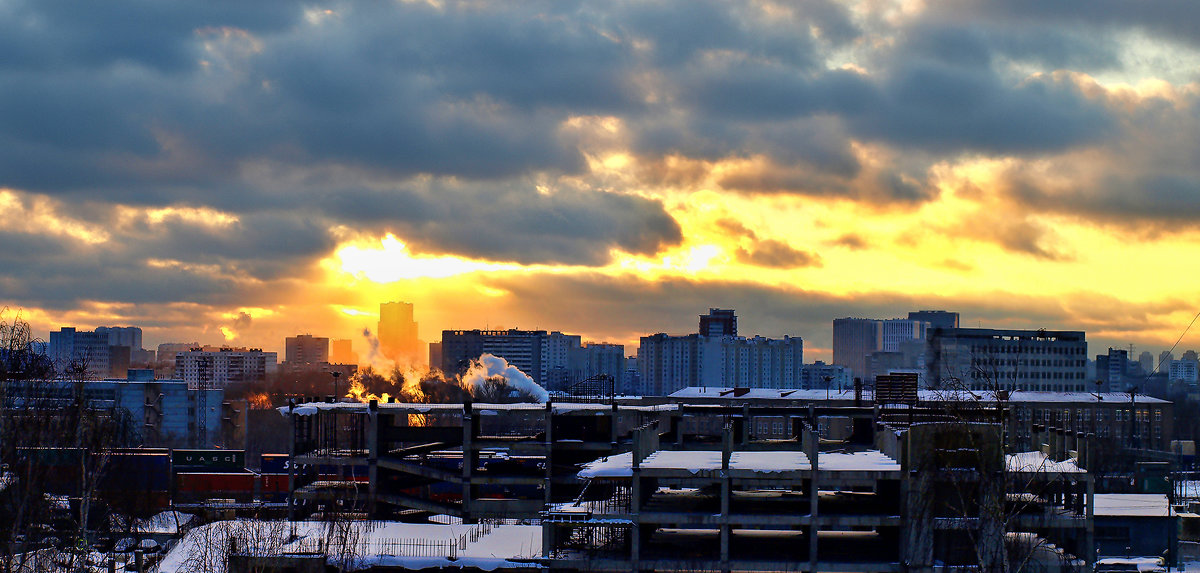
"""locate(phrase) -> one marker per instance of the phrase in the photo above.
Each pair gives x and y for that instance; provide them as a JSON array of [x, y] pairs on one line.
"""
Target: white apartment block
[[219, 367]]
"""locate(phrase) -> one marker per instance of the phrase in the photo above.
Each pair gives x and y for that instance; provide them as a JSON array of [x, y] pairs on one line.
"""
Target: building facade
[[130, 336], [81, 353], [211, 367], [854, 340], [521, 348], [987, 359], [718, 322], [341, 351], [398, 332], [305, 349]]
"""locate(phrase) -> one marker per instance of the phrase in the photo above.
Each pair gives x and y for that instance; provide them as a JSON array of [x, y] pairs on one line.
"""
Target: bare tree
[[54, 442], [973, 483]]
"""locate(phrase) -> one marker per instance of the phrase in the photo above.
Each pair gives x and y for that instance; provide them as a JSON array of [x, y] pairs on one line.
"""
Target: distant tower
[[854, 339], [342, 351], [718, 322], [398, 332]]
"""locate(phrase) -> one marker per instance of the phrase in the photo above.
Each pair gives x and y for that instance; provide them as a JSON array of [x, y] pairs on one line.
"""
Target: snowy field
[[358, 545]]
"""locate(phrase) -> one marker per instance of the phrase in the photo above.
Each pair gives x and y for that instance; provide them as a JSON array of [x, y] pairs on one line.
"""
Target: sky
[[238, 172]]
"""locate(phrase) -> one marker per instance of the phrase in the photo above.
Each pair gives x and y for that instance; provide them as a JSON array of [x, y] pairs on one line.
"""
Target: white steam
[[490, 366]]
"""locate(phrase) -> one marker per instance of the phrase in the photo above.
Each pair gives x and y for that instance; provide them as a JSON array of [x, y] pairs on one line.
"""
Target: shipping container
[[275, 463], [273, 487], [127, 471], [208, 460], [342, 473], [191, 487]]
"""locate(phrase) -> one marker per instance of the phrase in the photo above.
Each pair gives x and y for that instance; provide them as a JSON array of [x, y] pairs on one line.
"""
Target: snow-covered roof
[[1017, 396], [620, 465], [311, 408], [870, 460], [497, 548], [766, 394], [1132, 505], [1040, 462]]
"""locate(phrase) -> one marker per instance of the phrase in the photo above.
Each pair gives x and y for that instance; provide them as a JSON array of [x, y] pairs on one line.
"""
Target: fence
[[357, 543], [392, 546]]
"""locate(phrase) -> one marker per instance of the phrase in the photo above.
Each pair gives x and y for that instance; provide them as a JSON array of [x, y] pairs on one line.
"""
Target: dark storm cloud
[[512, 221], [438, 123], [62, 34], [1173, 17]]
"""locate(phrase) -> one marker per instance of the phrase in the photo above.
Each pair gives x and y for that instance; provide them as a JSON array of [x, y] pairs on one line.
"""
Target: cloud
[[777, 254]]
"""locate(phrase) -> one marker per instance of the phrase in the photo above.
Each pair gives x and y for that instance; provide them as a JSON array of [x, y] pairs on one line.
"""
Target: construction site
[[620, 486]]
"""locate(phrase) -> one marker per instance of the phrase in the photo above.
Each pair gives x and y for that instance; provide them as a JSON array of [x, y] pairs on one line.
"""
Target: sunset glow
[[238, 179]]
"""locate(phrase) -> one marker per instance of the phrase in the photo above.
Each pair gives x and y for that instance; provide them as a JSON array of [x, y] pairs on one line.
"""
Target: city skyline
[[240, 174]]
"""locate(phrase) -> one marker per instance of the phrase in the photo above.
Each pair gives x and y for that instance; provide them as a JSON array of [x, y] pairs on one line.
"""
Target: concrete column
[[469, 458], [747, 427], [291, 498], [813, 453], [1090, 538], [549, 433], [635, 506], [372, 455], [726, 493]]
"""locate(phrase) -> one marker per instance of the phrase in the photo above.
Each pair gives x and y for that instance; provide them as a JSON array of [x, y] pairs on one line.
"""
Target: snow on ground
[[1142, 564], [203, 548], [1039, 462]]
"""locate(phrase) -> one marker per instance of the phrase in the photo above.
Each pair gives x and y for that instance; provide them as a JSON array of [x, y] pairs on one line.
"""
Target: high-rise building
[[1146, 362], [936, 318], [219, 367], [553, 359], [668, 363], [718, 322], [305, 349], [596, 358], [896, 331], [435, 355], [1164, 360], [398, 333], [559, 353], [854, 340], [521, 348], [130, 336], [1183, 371], [760, 362], [341, 351], [168, 350], [986, 359], [80, 352]]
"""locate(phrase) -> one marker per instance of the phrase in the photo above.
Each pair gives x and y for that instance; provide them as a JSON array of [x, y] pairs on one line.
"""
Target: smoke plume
[[485, 374], [489, 379]]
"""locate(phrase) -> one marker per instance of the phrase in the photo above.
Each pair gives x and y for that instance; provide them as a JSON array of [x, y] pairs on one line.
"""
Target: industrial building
[[723, 480], [987, 359], [164, 413]]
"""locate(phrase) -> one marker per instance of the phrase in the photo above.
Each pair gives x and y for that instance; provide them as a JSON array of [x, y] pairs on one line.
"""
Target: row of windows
[[1028, 349]]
